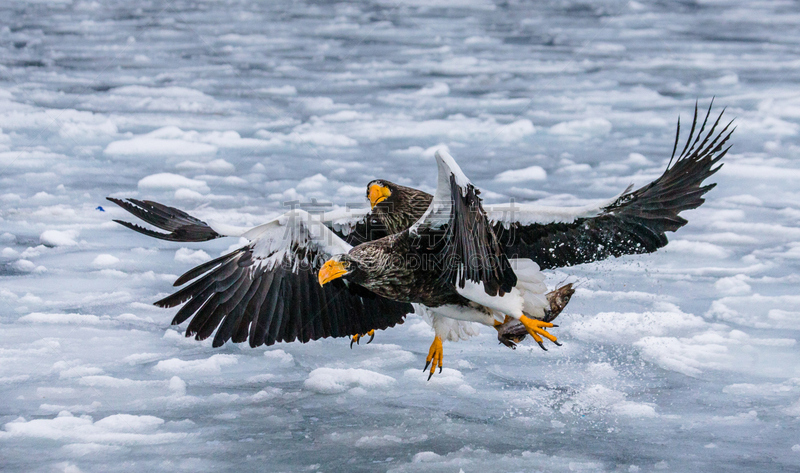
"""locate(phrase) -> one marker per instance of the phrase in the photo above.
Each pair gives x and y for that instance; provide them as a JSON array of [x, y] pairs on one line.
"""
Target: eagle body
[[399, 267], [449, 257]]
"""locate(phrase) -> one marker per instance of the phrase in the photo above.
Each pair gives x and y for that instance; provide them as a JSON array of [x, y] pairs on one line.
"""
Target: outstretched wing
[[354, 225], [267, 291], [180, 225], [455, 229], [632, 223]]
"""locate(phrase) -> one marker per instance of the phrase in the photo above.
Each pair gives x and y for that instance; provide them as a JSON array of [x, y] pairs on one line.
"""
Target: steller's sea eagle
[[283, 252]]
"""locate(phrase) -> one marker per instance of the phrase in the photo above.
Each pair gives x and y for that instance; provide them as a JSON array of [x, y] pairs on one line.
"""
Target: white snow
[[697, 248], [586, 128], [213, 364], [117, 429], [71, 319], [619, 327], [681, 360], [58, 238], [532, 173], [335, 381], [168, 181], [159, 147], [195, 257], [105, 260], [282, 90], [279, 357]]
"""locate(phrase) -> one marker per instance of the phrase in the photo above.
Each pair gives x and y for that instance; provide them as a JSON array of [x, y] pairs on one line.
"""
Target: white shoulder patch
[[438, 213], [280, 238], [345, 219], [447, 167], [529, 214]]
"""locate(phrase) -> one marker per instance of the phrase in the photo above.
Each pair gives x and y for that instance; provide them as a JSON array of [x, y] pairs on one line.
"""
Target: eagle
[[263, 292]]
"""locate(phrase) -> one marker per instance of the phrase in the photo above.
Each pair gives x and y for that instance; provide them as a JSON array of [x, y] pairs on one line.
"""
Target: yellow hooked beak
[[331, 270], [377, 194]]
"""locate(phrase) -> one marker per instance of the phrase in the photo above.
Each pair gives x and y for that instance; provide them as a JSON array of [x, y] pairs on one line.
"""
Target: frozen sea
[[685, 360]]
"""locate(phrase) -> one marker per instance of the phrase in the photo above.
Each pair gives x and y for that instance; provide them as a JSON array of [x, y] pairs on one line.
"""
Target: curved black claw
[[435, 356], [371, 337], [507, 342], [558, 344], [432, 371], [541, 344], [357, 338]]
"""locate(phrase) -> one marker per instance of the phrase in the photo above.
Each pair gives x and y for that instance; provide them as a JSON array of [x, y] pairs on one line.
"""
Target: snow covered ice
[[684, 360]]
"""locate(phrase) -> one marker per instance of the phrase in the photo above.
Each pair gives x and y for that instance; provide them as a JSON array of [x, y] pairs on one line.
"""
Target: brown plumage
[[429, 262], [637, 221], [634, 223], [402, 208]]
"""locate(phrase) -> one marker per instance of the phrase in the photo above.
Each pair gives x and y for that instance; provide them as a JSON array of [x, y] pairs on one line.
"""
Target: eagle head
[[378, 191], [339, 266]]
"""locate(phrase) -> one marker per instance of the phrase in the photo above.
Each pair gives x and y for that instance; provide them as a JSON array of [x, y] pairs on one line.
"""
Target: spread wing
[[180, 225], [353, 225], [267, 290], [632, 223], [456, 230]]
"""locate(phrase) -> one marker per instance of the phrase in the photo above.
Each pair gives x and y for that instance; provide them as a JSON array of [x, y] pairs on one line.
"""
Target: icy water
[[685, 360]]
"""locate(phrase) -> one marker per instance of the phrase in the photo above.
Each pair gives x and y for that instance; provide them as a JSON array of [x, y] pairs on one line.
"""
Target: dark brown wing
[[267, 292], [180, 225], [637, 221], [458, 235], [357, 228], [369, 228]]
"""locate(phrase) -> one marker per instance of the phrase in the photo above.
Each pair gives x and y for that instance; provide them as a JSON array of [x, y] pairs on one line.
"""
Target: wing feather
[[353, 224], [263, 317], [456, 225], [634, 222], [180, 225], [267, 290], [231, 322]]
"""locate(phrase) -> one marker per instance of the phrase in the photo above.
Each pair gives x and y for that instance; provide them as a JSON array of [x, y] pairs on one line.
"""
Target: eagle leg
[[538, 340], [511, 332], [357, 337], [435, 356], [536, 329]]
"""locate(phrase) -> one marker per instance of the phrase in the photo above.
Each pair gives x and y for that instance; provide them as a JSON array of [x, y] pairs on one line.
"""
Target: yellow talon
[[355, 338], [536, 328], [435, 356]]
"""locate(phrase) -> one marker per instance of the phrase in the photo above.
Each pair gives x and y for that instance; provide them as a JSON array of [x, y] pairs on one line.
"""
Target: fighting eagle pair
[[305, 276]]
